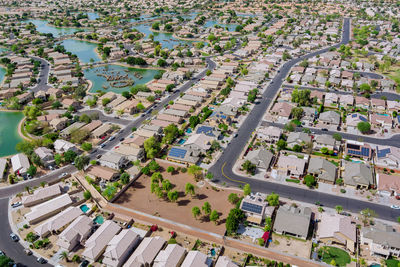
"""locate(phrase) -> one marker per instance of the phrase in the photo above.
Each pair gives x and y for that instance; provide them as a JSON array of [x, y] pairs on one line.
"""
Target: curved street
[[223, 168]]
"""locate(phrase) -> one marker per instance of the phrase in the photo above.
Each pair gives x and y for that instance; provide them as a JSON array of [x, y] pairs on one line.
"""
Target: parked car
[[324, 129], [395, 207], [64, 175], [14, 237], [2, 253], [16, 204], [102, 145], [84, 263], [41, 260], [28, 252]]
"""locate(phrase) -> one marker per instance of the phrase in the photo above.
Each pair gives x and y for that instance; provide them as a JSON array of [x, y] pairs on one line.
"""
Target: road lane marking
[[233, 180]]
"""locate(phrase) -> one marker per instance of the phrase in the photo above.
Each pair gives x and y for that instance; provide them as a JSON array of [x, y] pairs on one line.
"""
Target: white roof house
[[43, 211], [20, 163], [146, 252], [119, 248], [196, 259], [59, 221], [61, 146], [41, 195], [224, 261], [75, 233], [97, 243], [172, 255]]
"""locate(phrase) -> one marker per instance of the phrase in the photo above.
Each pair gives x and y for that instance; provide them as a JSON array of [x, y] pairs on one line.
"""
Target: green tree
[[214, 216], [171, 132], [154, 166], [196, 171], [166, 185], [87, 146], [249, 167], [81, 162], [206, 208], [246, 190], [235, 216], [297, 113], [32, 170], [64, 256], [233, 198], [125, 177], [152, 147], [338, 208], [170, 169], [69, 156], [87, 195], [189, 189], [309, 180], [337, 136], [58, 159], [196, 212], [273, 199], [364, 127], [173, 196], [281, 144]]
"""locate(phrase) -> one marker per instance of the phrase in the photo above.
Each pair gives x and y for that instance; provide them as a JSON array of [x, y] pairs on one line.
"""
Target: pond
[[117, 75], [84, 50], [166, 39], [9, 136], [93, 15], [212, 23], [42, 26]]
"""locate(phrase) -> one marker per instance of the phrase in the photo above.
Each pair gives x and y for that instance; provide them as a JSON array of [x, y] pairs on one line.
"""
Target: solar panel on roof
[[365, 151], [250, 207], [363, 118], [354, 115], [352, 146], [383, 152], [177, 152]]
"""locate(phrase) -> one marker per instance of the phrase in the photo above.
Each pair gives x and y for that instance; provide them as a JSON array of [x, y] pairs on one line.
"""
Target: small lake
[[84, 50], [212, 23], [9, 137], [93, 15], [98, 77], [42, 26], [166, 39]]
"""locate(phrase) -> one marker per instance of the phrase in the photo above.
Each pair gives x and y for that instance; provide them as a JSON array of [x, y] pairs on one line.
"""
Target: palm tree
[[42, 184], [28, 189], [64, 256], [339, 209]]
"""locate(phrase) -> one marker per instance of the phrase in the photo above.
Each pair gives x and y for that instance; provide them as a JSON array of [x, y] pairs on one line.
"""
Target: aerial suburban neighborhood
[[199, 133]]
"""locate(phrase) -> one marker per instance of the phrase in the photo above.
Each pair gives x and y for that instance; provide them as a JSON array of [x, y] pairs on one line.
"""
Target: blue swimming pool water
[[84, 208], [99, 219], [182, 141], [212, 251]]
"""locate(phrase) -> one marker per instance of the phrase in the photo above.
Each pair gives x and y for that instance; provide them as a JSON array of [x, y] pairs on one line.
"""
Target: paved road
[[43, 76], [14, 250], [223, 172]]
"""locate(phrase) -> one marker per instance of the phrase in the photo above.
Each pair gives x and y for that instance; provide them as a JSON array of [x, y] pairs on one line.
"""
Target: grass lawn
[[341, 257], [392, 263]]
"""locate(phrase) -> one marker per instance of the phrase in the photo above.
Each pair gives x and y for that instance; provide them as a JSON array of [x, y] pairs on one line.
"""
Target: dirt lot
[[291, 245], [139, 197]]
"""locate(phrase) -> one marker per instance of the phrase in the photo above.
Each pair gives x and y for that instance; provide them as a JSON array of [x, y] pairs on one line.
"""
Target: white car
[[395, 207], [16, 204]]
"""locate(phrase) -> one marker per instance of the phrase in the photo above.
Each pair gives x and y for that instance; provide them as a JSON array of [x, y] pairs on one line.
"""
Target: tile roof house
[[20, 164], [224, 261], [388, 185], [97, 242], [119, 248], [75, 233], [58, 222], [146, 252], [200, 142], [358, 175], [291, 166], [41, 195], [381, 240], [358, 149], [298, 138], [378, 120], [293, 221], [195, 258], [353, 119], [387, 157], [47, 209], [62, 146], [330, 118], [262, 158], [113, 160], [104, 173], [362, 102], [325, 140], [282, 110], [337, 229], [323, 170], [270, 134], [378, 104], [172, 255]]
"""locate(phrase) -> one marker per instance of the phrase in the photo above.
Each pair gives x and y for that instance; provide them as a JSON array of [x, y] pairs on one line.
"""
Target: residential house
[[381, 239], [323, 170], [41, 195], [358, 175], [58, 222], [103, 173], [325, 140], [270, 134], [45, 155], [223, 114], [358, 149], [119, 248], [298, 138], [254, 206], [331, 100], [330, 118], [172, 255], [61, 146], [199, 142], [290, 166], [59, 123], [378, 104], [388, 185], [224, 261], [20, 164], [183, 155], [114, 160], [285, 218], [97, 242], [362, 102], [262, 158], [387, 157], [47, 209], [132, 153], [309, 115], [146, 252], [195, 258], [335, 229], [78, 231], [353, 119], [381, 121], [282, 111], [208, 130]]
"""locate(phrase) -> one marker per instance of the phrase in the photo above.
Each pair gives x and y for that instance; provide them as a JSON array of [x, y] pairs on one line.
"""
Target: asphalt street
[[223, 168], [14, 250], [43, 76]]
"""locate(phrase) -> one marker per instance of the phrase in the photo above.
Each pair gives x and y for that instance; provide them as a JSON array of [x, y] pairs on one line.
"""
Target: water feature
[[9, 136], [93, 15], [166, 39], [84, 50], [84, 208], [213, 22], [42, 26], [97, 76], [99, 219]]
